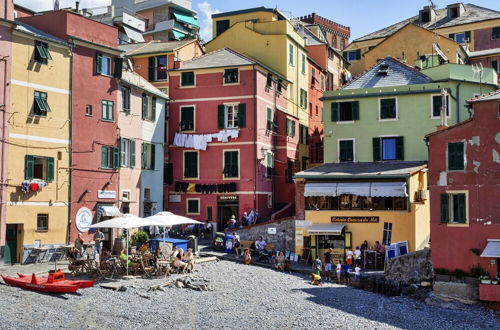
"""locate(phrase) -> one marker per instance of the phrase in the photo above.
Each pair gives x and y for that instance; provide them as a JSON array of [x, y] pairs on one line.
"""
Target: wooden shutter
[[151, 68], [445, 208], [153, 109], [168, 173], [287, 127], [468, 36], [227, 164], [29, 167], [118, 67], [50, 169], [144, 106], [242, 107], [194, 164], [153, 156], [143, 155], [104, 156], [116, 157], [355, 110], [220, 116], [400, 154], [293, 127], [335, 111], [456, 156], [98, 60], [461, 217], [377, 149], [132, 153]]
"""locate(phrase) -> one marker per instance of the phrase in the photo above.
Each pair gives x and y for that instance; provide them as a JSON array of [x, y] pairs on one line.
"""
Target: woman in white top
[[339, 270]]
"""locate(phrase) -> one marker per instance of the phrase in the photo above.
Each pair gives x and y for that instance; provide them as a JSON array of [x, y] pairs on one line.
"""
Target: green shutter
[[153, 156], [191, 164], [461, 217], [118, 67], [50, 169], [132, 153], [456, 156], [116, 157], [377, 149], [98, 60], [144, 152], [400, 150], [445, 208], [467, 36], [29, 164], [287, 127], [335, 111], [355, 110], [220, 116], [144, 106], [104, 157], [153, 109], [293, 127], [242, 107], [151, 68]]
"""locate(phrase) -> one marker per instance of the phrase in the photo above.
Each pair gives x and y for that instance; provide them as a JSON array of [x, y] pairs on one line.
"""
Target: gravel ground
[[244, 297]]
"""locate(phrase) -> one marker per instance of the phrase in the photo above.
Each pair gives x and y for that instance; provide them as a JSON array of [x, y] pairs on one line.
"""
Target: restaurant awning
[[178, 35], [329, 229], [108, 211], [354, 188], [186, 18], [388, 189], [320, 189], [133, 34], [492, 249]]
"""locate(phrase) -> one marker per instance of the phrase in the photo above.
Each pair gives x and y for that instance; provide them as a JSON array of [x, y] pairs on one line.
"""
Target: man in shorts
[[328, 264]]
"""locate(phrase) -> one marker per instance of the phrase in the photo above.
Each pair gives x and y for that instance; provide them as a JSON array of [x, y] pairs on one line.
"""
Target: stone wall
[[284, 239], [411, 268]]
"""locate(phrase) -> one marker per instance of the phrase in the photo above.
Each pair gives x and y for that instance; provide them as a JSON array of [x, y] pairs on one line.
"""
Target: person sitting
[[189, 259], [179, 264], [125, 259], [364, 246], [280, 261], [175, 252], [247, 259], [103, 258], [144, 247], [260, 244], [379, 248]]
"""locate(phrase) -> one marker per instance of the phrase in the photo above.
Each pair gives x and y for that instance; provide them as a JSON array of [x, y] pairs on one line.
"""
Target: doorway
[[10, 255], [226, 207]]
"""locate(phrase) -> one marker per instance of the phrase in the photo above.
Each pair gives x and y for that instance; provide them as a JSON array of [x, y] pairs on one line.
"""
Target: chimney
[[77, 6]]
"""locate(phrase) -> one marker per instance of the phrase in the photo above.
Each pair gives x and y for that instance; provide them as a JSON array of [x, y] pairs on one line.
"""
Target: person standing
[[328, 264], [79, 246], [347, 275], [317, 266], [357, 272], [237, 244], [244, 220], [231, 222], [98, 238], [348, 255], [357, 254]]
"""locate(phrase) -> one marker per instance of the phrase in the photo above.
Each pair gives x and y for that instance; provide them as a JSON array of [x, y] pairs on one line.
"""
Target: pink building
[[229, 136]]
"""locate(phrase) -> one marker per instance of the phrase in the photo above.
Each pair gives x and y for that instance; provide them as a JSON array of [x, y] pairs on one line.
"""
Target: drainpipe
[[255, 158], [70, 160], [458, 102], [3, 178]]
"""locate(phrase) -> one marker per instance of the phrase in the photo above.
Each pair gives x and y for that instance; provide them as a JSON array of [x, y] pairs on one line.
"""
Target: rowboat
[[54, 283]]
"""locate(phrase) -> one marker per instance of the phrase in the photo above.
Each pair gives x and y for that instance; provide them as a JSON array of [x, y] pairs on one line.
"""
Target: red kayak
[[55, 283]]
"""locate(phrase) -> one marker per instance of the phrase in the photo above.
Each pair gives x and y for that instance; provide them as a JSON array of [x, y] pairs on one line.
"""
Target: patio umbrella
[[168, 219], [126, 221]]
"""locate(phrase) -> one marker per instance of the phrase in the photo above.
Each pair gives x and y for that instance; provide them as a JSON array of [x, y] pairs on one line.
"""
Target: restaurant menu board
[[355, 219]]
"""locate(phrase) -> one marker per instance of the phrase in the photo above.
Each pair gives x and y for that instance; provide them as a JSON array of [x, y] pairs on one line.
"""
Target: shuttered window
[[346, 151], [290, 54], [103, 64], [231, 168], [390, 148], [345, 111], [41, 105], [270, 124], [190, 164], [388, 108], [42, 54], [290, 127], [269, 165], [303, 98], [187, 78], [148, 153], [107, 110], [456, 156], [39, 167], [454, 208], [187, 119]]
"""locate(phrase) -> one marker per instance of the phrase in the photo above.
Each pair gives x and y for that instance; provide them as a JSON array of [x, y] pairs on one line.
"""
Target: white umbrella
[[168, 219], [126, 221]]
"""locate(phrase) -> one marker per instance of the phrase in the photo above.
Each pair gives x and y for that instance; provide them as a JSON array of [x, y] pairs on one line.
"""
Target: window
[[388, 148], [231, 115], [168, 173], [109, 157], [453, 12], [148, 107], [39, 167], [103, 64], [88, 110], [313, 76], [456, 156], [231, 168], [157, 68], [107, 110], [345, 111], [187, 119], [303, 64], [334, 46], [388, 108], [322, 82], [148, 153], [221, 26], [193, 206], [353, 55], [425, 16], [42, 222], [437, 103], [231, 76], [303, 134], [147, 194], [42, 54], [461, 38], [290, 127], [346, 150], [269, 165], [41, 106], [289, 171], [454, 208], [190, 164], [356, 203], [269, 81], [270, 123], [495, 33], [303, 98], [125, 99], [187, 79], [386, 240], [342, 43], [290, 54], [127, 153]]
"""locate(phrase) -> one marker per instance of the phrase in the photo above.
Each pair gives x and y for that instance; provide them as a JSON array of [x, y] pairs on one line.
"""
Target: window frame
[[99, 64], [450, 221], [193, 106], [448, 112], [269, 173], [353, 140], [87, 112], [225, 82], [157, 66], [389, 137], [464, 155], [184, 152], [125, 152], [218, 28], [355, 52], [493, 35], [291, 54], [182, 83], [126, 94], [107, 103], [40, 104], [150, 155], [42, 53], [237, 177], [396, 112], [234, 106], [303, 64], [457, 34], [38, 227], [187, 206]]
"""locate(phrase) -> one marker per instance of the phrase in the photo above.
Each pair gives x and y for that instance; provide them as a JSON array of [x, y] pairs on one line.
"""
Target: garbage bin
[[193, 243], [229, 243]]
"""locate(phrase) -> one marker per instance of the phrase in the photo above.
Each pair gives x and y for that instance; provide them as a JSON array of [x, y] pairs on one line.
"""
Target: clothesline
[[200, 141]]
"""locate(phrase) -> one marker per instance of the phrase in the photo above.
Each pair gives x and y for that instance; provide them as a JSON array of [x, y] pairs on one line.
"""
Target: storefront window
[[345, 201], [330, 241], [354, 202]]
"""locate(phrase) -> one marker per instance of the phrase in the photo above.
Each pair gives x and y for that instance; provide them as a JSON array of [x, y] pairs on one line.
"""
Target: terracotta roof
[[493, 96], [439, 131], [152, 47]]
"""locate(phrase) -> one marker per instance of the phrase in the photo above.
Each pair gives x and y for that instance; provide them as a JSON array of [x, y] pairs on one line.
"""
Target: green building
[[384, 114]]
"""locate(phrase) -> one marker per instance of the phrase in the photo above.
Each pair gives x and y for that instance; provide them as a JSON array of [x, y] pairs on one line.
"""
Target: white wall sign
[[174, 198], [271, 231], [83, 219], [109, 194]]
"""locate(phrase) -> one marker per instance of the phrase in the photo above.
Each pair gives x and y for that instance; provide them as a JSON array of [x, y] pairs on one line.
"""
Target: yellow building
[[268, 36], [344, 204], [467, 24], [39, 142]]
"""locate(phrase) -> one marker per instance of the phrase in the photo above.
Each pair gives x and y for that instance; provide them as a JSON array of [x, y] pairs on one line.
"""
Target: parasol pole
[[126, 245]]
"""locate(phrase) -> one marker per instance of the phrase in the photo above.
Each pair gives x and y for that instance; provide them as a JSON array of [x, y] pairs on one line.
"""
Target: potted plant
[[484, 279], [442, 274], [494, 281], [139, 237]]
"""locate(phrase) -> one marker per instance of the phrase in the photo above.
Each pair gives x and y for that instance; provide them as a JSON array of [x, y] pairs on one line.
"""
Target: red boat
[[55, 283]]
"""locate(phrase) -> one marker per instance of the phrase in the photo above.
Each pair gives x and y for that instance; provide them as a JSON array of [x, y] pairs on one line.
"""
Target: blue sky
[[363, 16]]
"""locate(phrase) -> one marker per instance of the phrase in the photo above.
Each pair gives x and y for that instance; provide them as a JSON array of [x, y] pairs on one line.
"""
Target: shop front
[[227, 206], [320, 238], [107, 212]]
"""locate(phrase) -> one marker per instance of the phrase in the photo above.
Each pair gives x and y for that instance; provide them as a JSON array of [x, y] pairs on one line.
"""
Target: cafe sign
[[355, 219]]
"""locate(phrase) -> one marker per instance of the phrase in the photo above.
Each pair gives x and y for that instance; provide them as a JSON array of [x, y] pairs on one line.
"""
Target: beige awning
[[328, 229], [492, 249]]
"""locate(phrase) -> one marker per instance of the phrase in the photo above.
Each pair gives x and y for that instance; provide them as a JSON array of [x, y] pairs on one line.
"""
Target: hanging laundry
[[25, 186], [34, 187], [191, 187], [189, 141], [200, 142]]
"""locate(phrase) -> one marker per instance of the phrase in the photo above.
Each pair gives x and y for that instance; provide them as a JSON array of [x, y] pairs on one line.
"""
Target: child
[[339, 271], [357, 272], [349, 254], [347, 275], [317, 265], [315, 279], [248, 257]]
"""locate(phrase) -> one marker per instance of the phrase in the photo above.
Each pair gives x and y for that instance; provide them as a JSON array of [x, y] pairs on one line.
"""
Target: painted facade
[[337, 35], [464, 188], [411, 103], [247, 172], [314, 138], [39, 138]]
